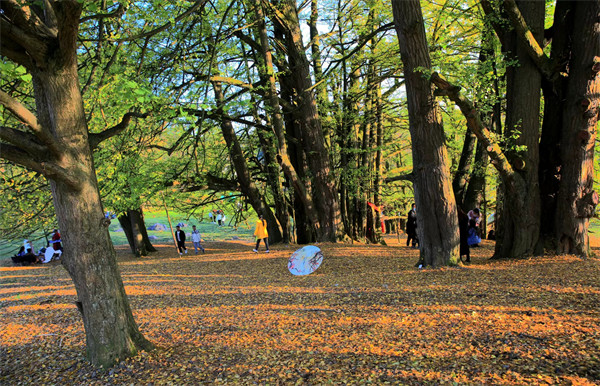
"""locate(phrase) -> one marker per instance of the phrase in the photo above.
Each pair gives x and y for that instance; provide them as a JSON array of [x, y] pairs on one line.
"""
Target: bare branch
[[95, 139], [119, 12], [197, 4]]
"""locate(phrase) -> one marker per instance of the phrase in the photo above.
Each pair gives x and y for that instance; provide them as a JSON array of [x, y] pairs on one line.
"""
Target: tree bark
[[554, 96], [134, 228], [89, 258], [436, 208], [461, 177], [475, 190], [243, 174], [576, 198], [521, 213], [313, 141]]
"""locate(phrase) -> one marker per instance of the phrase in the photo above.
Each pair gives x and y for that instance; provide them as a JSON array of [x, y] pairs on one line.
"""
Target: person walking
[[411, 227], [196, 240], [180, 237], [219, 217], [261, 233]]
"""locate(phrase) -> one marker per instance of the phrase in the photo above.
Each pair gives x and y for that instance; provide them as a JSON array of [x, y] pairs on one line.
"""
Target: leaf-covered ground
[[366, 315]]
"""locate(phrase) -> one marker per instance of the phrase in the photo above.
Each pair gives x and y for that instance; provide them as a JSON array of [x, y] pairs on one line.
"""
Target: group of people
[[196, 240], [469, 229], [260, 232], [27, 254], [217, 216]]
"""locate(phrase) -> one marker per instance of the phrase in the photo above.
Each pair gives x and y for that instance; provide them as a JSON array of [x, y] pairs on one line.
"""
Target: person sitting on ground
[[24, 257], [474, 238]]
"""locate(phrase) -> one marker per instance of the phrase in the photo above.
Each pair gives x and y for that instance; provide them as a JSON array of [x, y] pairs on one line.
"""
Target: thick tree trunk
[[323, 184], [378, 154], [125, 223], [576, 199], [134, 228], [554, 97], [522, 211], [143, 232], [436, 208], [111, 332]]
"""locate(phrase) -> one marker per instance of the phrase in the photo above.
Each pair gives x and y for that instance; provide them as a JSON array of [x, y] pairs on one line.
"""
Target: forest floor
[[366, 315]]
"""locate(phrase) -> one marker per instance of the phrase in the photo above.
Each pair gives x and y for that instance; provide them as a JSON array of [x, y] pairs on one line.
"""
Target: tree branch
[[47, 169], [475, 124], [534, 49], [119, 12], [403, 177], [197, 4], [28, 118], [23, 140], [95, 139], [35, 48]]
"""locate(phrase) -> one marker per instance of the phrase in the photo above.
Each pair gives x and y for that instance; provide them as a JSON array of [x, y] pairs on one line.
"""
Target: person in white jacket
[[196, 238]]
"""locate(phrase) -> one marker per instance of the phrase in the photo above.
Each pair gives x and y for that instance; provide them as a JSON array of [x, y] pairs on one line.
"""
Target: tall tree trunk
[[51, 58], [313, 142], [436, 208], [378, 153], [255, 198], [475, 191], [576, 199], [461, 178], [522, 226], [554, 96], [284, 158], [320, 85]]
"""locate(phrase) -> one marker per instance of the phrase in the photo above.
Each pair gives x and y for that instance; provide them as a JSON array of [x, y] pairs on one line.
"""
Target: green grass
[[208, 231]]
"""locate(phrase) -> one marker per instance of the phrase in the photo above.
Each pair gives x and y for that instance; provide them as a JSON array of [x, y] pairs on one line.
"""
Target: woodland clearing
[[366, 315]]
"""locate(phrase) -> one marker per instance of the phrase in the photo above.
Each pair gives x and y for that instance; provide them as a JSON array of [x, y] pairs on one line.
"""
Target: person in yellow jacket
[[261, 233]]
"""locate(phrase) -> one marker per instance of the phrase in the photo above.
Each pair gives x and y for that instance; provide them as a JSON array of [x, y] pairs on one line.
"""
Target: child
[[261, 233]]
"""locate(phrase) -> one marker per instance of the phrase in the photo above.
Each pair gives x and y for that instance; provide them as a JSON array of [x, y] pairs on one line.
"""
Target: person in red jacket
[[56, 245]]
